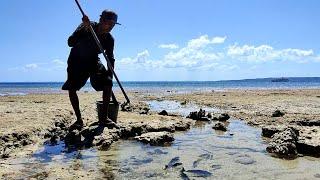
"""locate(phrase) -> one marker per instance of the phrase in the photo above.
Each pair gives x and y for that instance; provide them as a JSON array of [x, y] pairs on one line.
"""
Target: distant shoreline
[[250, 79]]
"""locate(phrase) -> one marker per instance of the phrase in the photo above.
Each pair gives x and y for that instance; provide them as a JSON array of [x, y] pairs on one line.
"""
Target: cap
[[110, 15]]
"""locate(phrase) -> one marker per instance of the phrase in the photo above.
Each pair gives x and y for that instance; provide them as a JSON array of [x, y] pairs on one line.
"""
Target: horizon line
[[170, 80]]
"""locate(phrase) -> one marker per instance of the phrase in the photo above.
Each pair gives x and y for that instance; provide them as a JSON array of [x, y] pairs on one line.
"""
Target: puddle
[[177, 107], [203, 152]]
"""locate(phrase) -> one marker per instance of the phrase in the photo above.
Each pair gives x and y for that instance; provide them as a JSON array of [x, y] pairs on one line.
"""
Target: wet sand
[[31, 116]]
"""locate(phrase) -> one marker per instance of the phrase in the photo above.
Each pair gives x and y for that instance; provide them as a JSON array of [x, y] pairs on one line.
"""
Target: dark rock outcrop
[[268, 131], [93, 135], [182, 126], [308, 138], [198, 115], [309, 141], [307, 122], [283, 144]]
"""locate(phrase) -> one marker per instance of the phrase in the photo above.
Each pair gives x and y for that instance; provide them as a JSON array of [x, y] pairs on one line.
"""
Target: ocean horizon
[[23, 88]]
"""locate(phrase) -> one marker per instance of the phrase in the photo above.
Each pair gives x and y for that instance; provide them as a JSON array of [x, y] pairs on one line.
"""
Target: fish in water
[[202, 157], [198, 173], [173, 163], [206, 156], [157, 151], [195, 163]]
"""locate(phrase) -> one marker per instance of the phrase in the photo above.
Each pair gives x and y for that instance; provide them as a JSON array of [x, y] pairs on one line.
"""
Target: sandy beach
[[25, 120]]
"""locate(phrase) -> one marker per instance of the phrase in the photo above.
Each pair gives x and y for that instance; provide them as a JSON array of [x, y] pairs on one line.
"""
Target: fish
[[199, 173], [173, 163]]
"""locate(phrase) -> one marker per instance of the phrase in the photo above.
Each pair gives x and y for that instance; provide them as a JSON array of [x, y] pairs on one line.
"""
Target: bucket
[[112, 111]]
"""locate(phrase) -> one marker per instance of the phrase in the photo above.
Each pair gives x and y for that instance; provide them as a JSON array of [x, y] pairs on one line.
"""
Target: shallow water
[[177, 107], [201, 151]]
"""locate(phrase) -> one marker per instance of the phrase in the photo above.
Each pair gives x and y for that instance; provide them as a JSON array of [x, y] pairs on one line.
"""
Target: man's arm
[[73, 39], [108, 44], [76, 35], [109, 47]]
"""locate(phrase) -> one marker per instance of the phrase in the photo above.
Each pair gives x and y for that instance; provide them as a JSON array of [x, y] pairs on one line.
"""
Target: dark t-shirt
[[84, 51]]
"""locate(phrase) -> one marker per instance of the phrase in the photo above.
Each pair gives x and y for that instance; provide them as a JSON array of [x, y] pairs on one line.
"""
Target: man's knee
[[107, 88]]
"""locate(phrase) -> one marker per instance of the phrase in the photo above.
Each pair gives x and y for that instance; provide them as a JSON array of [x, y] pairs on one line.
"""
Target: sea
[[24, 88]]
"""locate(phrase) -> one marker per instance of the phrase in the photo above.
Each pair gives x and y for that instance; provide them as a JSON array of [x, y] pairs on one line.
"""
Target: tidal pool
[[201, 152]]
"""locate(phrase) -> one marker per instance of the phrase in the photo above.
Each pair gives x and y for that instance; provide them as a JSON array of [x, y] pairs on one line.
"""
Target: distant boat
[[280, 80]]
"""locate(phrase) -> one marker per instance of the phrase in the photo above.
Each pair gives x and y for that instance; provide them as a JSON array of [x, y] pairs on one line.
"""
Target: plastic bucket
[[112, 111]]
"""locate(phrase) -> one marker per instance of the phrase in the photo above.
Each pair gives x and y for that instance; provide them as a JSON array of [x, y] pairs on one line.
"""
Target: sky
[[167, 40]]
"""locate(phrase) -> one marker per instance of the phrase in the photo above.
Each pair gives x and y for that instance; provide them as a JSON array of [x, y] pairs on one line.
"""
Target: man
[[83, 62]]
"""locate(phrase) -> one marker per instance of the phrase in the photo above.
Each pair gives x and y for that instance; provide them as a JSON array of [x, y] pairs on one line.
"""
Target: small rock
[[163, 113], [278, 113], [223, 117], [155, 138], [183, 102], [209, 115], [144, 110], [219, 126], [245, 160], [54, 139], [5, 153]]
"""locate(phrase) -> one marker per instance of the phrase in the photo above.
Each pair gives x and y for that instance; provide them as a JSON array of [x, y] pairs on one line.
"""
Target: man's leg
[[75, 104], [106, 95]]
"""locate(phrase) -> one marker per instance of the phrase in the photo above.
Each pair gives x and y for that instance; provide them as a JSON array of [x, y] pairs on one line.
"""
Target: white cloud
[[143, 56], [204, 40], [54, 65], [218, 40], [195, 55], [58, 62], [267, 53], [168, 46], [31, 66], [317, 58], [141, 61], [202, 53]]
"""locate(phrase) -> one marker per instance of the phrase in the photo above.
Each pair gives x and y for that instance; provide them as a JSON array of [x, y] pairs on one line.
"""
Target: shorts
[[78, 77]]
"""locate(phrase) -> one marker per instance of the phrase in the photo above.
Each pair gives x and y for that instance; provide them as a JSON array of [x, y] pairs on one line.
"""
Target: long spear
[[105, 56]]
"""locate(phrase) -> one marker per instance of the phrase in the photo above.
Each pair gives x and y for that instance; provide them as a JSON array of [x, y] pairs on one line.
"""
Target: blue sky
[[167, 40]]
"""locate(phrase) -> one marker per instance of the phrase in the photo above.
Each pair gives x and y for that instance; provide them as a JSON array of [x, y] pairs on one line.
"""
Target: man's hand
[[86, 21]]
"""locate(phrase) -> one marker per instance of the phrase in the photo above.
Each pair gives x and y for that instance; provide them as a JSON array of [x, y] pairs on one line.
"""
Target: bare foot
[[76, 125]]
